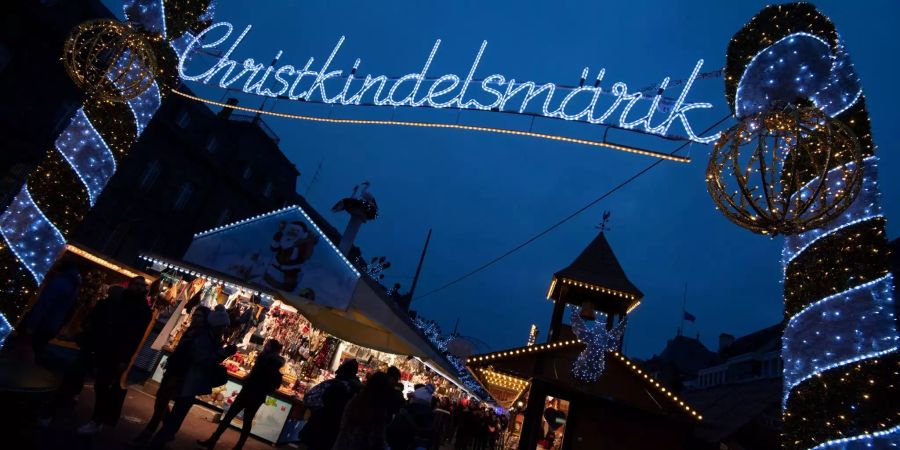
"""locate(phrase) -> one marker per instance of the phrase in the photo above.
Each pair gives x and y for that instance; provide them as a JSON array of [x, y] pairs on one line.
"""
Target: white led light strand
[[282, 211], [209, 278], [244, 221], [446, 84]]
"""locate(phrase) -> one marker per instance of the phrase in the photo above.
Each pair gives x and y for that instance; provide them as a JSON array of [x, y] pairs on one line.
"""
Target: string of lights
[[454, 126]]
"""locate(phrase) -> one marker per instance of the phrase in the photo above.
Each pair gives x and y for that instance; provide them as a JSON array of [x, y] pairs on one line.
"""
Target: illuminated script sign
[[656, 115]]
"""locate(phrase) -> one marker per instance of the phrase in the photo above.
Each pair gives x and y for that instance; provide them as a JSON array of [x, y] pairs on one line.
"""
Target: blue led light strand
[[5, 329], [87, 153], [840, 329], [879, 440], [792, 68], [34, 240], [864, 207]]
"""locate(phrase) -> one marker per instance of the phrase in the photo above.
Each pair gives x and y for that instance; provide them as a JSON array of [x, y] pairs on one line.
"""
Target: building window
[[247, 172], [184, 196], [212, 144], [183, 119], [267, 192], [151, 173], [223, 217]]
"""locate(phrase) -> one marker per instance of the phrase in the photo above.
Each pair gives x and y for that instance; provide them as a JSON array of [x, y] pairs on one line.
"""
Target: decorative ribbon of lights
[[496, 93], [598, 341], [125, 70], [832, 332], [840, 344], [432, 332], [865, 208], [453, 126]]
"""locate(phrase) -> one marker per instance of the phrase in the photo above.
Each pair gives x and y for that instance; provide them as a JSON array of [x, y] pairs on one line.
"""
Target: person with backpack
[[205, 371], [264, 378], [327, 401], [366, 416], [414, 426]]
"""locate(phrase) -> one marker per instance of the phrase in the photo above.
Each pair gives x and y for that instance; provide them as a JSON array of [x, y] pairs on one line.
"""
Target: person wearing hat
[[414, 426], [204, 358]]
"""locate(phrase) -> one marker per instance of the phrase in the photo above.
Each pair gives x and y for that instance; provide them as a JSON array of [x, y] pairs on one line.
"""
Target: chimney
[[225, 113], [725, 341]]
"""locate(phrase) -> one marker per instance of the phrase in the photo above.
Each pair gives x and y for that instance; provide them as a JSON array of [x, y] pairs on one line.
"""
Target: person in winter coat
[[176, 366], [264, 378], [114, 332], [396, 400], [322, 429], [414, 427], [366, 416], [204, 356], [52, 308]]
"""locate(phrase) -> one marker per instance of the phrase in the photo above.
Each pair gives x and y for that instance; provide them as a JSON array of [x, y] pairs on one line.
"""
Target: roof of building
[[762, 340], [687, 354], [598, 265], [622, 382]]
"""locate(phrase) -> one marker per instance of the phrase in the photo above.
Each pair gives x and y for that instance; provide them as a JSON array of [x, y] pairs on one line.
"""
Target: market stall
[[258, 314]]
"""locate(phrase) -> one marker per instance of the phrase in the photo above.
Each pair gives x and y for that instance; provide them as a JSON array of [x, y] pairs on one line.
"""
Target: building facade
[[191, 170], [737, 388]]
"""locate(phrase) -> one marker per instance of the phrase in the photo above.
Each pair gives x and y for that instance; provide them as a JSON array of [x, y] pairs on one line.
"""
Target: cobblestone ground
[[137, 410]]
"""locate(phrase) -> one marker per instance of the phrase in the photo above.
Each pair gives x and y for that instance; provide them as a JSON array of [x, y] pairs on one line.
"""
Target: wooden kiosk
[[625, 409]]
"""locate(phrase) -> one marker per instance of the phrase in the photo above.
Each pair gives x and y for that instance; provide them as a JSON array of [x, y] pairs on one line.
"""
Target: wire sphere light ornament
[[785, 171], [109, 60]]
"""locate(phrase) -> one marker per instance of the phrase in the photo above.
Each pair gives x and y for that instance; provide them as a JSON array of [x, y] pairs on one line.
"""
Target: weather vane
[[604, 224]]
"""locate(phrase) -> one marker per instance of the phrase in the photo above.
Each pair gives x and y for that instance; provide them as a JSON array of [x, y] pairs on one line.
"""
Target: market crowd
[[350, 415], [344, 413]]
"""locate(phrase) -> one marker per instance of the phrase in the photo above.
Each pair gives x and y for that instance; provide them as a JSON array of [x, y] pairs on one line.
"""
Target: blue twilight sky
[[483, 194]]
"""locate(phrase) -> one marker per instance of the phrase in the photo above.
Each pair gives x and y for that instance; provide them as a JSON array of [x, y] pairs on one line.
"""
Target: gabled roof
[[623, 381], [687, 354], [761, 341], [597, 265]]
